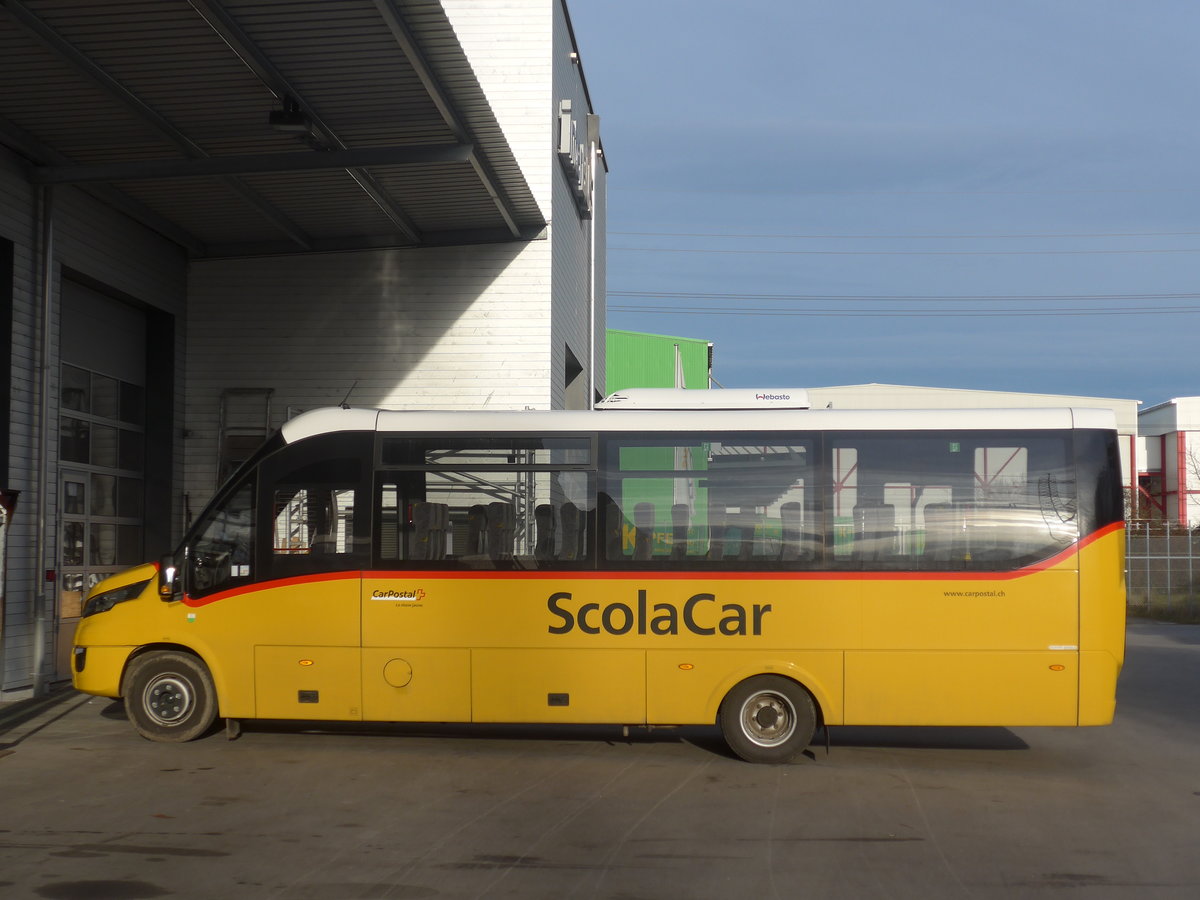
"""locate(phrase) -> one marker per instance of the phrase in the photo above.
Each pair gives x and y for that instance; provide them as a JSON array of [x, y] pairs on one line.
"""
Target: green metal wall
[[648, 360]]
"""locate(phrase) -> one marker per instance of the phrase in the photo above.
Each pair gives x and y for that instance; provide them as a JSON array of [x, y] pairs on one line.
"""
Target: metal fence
[[1163, 570]]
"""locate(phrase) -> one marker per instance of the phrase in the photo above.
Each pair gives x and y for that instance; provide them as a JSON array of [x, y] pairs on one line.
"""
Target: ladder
[[243, 423]]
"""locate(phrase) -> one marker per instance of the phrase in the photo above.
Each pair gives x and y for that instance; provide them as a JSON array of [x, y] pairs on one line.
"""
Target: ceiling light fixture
[[291, 119]]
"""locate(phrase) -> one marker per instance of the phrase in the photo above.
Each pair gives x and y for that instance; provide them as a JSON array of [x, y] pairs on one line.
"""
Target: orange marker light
[[687, 667], [306, 662], [1057, 668]]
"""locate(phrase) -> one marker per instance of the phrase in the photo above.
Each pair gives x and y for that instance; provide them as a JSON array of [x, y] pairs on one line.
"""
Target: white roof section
[[904, 396], [724, 398], [1087, 417], [878, 389], [325, 420], [1177, 414], [496, 422]]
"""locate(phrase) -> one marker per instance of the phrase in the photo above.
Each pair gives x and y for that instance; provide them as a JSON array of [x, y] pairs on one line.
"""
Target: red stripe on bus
[[270, 585], [659, 575]]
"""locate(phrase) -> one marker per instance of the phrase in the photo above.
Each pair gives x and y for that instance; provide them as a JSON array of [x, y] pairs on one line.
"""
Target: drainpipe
[[593, 136], [8, 505], [42, 476]]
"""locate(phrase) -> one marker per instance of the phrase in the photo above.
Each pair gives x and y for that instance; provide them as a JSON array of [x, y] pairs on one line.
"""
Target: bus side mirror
[[167, 577]]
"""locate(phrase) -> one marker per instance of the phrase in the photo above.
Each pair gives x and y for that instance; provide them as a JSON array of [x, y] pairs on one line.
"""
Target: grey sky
[[1041, 152]]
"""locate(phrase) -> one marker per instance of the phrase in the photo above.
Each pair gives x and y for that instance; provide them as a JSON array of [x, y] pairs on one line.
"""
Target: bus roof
[[322, 421]]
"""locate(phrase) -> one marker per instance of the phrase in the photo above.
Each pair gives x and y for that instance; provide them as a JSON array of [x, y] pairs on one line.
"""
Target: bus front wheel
[[767, 719], [169, 696]]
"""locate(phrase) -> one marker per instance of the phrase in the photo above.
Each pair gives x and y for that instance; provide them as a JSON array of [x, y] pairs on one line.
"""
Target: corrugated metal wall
[[111, 252], [440, 328], [17, 213], [500, 37], [648, 360]]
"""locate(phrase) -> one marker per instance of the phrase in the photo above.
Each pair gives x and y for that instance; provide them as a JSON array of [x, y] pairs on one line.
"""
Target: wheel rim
[[168, 699], [768, 718]]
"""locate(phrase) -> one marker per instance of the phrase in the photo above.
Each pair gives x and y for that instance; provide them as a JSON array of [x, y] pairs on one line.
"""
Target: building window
[[102, 477]]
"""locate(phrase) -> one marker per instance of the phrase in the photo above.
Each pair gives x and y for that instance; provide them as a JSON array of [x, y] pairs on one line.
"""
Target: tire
[[169, 697], [767, 719]]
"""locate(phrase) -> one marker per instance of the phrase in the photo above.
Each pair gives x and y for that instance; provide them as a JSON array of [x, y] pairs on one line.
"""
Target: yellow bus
[[767, 571]]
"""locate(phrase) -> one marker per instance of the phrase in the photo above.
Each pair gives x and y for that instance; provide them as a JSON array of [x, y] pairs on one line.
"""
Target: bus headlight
[[106, 601]]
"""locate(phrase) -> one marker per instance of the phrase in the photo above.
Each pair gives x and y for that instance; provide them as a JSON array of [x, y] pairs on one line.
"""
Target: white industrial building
[[1169, 468], [215, 214]]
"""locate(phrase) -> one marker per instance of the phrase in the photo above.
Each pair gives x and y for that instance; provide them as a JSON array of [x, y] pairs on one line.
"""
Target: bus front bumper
[[98, 670]]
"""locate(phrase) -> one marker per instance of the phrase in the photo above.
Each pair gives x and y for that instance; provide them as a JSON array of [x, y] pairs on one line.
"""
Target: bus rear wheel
[[767, 719], [169, 697]]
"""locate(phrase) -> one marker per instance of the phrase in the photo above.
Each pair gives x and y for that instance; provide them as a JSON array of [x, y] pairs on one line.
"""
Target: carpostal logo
[[772, 396], [700, 614], [413, 595]]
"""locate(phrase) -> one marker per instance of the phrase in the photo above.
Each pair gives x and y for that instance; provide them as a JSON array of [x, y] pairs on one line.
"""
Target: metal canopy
[[263, 126]]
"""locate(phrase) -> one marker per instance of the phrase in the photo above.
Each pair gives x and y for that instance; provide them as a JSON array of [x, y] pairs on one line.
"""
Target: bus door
[[416, 665], [314, 545]]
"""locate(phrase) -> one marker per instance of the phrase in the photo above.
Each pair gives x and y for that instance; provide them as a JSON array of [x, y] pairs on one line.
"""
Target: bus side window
[[573, 532], [428, 534], [501, 529], [475, 501], [950, 502], [390, 531], [681, 516], [643, 531], [313, 529], [943, 535], [543, 519], [614, 528], [476, 545], [798, 542], [749, 542], [313, 520], [712, 500], [463, 533], [314, 510], [874, 532]]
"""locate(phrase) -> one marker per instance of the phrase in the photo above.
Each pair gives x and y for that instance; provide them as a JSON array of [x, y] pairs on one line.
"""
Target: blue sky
[[998, 196]]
